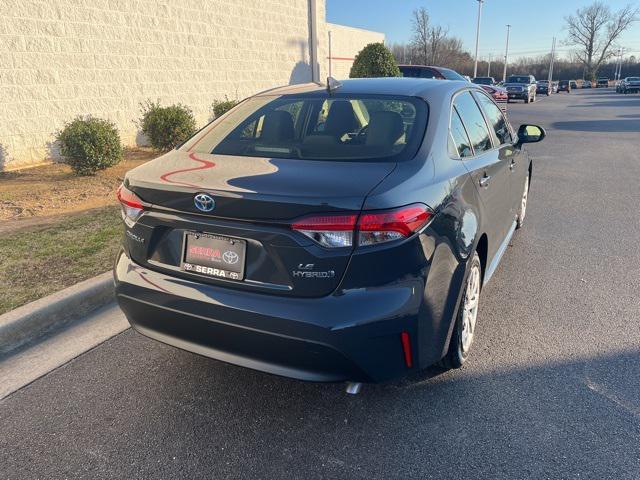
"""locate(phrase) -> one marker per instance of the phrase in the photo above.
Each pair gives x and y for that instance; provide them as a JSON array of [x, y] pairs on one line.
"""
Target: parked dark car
[[564, 86], [631, 85], [327, 235], [521, 87], [574, 84], [543, 88], [484, 81], [603, 82], [423, 71]]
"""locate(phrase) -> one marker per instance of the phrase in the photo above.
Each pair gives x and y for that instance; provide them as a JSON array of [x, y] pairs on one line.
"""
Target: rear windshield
[[319, 127], [452, 74], [633, 79], [483, 81], [518, 79]]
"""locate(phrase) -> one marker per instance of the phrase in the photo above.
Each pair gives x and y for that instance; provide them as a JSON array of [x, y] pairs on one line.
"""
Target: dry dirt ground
[[57, 229], [41, 195]]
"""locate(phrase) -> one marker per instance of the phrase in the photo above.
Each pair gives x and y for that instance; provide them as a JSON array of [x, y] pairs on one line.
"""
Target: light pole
[[506, 55], [489, 65], [475, 64], [553, 57]]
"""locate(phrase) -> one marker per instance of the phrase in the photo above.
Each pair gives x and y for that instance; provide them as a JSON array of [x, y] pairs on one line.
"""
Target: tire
[[522, 212], [461, 343], [527, 100]]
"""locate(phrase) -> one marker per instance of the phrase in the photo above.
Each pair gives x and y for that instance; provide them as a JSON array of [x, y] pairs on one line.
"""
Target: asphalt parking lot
[[552, 389]]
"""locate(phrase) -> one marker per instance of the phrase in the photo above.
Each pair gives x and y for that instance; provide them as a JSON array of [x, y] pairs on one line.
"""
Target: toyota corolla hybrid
[[327, 233]]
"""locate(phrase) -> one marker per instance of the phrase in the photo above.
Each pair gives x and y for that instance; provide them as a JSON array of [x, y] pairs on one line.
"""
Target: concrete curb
[[35, 319]]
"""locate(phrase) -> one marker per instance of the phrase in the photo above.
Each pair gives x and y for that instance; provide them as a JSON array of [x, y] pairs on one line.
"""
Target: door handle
[[512, 165], [484, 181]]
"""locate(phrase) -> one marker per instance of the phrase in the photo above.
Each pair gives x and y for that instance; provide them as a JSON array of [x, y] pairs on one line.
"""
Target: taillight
[[386, 226], [132, 206], [331, 231], [370, 228]]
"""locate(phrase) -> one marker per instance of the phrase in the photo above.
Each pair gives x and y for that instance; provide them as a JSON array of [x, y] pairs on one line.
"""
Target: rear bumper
[[353, 336]]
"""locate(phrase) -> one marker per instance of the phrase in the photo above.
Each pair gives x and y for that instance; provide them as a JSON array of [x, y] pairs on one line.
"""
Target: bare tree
[[595, 29], [437, 35], [421, 38]]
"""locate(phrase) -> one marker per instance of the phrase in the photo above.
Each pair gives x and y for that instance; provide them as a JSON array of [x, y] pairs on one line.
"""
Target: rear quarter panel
[[439, 255]]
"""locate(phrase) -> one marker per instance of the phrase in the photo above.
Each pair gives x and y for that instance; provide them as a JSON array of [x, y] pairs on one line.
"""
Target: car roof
[[412, 87]]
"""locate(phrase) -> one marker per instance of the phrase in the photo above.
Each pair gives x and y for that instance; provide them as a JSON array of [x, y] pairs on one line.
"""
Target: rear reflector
[[406, 348], [372, 228]]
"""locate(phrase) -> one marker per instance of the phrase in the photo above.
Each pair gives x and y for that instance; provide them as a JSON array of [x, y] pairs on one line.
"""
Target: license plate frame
[[214, 256]]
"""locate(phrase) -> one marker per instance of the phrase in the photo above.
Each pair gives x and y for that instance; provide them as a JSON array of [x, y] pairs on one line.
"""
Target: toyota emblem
[[230, 257], [204, 202]]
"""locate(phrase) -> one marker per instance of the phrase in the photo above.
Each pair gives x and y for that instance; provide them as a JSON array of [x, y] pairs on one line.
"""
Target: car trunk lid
[[256, 200]]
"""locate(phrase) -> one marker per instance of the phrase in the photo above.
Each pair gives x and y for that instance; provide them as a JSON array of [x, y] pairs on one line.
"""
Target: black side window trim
[[454, 111]]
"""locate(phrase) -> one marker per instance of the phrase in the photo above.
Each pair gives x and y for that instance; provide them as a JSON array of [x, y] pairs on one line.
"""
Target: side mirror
[[530, 134]]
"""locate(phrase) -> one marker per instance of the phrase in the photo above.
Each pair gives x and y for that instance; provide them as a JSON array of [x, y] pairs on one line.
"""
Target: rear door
[[489, 170], [504, 138]]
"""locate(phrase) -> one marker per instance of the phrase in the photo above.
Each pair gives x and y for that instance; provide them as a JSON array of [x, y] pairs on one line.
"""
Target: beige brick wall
[[346, 42], [63, 58]]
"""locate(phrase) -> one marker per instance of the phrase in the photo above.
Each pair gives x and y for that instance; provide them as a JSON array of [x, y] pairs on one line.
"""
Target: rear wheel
[[465, 327], [523, 204]]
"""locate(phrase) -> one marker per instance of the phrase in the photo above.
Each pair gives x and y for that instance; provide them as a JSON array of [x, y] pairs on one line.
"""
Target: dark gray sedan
[[327, 233]]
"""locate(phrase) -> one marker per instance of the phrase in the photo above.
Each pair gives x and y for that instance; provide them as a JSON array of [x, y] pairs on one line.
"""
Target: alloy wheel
[[523, 203], [470, 308]]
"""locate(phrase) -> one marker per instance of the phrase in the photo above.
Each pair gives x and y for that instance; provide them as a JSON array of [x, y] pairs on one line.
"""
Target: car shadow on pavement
[[165, 411], [600, 126]]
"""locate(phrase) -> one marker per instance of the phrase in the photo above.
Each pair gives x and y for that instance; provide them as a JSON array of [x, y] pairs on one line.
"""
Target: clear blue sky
[[531, 34]]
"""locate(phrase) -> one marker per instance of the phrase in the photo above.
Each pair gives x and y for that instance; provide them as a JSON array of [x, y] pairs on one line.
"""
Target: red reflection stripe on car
[[205, 164]]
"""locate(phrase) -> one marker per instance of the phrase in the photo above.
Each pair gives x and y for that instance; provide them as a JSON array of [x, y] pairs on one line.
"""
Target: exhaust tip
[[353, 388]]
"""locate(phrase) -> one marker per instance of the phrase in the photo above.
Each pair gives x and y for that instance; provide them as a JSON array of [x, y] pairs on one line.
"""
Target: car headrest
[[341, 118], [277, 126], [385, 128]]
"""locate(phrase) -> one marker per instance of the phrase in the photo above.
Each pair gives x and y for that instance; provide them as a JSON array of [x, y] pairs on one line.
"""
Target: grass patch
[[38, 261]]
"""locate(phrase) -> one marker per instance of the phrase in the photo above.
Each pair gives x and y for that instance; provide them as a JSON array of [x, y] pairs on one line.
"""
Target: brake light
[[131, 204], [371, 228], [380, 227]]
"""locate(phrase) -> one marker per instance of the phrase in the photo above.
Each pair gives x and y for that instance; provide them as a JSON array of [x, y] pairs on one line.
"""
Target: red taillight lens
[[386, 226], [335, 231], [132, 206]]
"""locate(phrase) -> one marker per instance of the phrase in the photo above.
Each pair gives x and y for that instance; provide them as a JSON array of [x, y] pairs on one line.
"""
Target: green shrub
[[89, 144], [374, 60], [166, 127], [220, 107]]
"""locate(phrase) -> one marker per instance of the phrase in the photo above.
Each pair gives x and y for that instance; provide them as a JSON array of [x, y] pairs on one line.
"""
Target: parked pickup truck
[[521, 87]]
